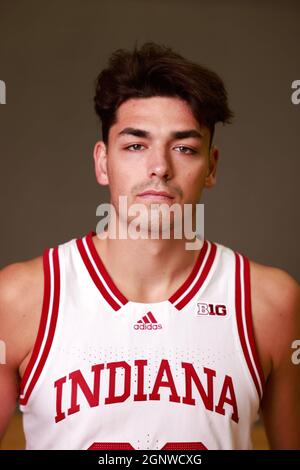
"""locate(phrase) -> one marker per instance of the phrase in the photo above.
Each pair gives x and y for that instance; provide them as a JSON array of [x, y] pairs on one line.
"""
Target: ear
[[211, 179], [100, 159]]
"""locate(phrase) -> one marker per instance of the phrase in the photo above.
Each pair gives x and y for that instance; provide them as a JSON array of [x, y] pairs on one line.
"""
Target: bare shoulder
[[275, 288], [273, 280], [21, 297], [275, 298]]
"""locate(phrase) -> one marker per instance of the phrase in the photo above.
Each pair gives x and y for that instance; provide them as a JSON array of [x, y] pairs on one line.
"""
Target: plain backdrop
[[50, 55]]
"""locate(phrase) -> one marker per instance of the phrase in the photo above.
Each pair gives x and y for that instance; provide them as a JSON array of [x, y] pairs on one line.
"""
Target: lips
[[153, 193]]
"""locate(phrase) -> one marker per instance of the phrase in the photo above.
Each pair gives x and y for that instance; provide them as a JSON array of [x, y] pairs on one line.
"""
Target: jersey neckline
[[116, 299]]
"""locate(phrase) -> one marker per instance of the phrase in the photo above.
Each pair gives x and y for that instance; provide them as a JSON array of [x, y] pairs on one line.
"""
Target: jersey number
[[127, 446]]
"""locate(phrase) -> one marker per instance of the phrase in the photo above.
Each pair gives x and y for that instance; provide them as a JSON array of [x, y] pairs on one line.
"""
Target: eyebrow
[[175, 135]]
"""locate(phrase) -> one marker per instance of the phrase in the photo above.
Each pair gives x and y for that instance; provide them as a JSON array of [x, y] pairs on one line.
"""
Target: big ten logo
[[211, 309], [295, 96], [296, 354], [2, 92], [2, 352]]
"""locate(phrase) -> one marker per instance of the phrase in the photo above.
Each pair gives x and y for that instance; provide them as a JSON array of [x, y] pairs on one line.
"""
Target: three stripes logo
[[147, 322]]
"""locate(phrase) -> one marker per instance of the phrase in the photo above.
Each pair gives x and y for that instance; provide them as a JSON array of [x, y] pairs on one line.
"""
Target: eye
[[186, 150], [134, 147]]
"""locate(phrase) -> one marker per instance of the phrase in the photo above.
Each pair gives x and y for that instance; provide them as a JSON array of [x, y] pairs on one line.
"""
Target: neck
[[147, 270]]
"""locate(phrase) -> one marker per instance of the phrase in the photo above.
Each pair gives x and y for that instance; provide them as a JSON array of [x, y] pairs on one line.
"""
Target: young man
[[122, 343]]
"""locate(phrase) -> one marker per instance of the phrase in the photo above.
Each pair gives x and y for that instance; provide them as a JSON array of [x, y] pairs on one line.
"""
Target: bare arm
[[281, 402], [8, 395], [20, 300]]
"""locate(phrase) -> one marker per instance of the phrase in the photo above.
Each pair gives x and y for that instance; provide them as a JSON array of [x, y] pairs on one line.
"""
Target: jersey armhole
[[245, 321], [47, 325]]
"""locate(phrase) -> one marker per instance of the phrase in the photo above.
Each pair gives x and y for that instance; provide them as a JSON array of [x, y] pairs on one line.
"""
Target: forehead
[[156, 114]]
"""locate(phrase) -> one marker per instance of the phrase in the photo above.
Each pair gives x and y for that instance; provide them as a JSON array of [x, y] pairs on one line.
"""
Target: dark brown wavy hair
[[156, 70]]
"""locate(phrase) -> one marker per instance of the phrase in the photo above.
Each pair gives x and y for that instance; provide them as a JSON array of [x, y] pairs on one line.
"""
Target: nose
[[160, 165]]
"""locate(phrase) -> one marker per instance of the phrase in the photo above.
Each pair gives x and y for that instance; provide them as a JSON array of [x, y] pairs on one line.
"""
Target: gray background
[[50, 54]]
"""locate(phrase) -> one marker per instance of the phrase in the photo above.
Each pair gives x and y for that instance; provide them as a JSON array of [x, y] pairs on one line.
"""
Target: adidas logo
[[147, 322]]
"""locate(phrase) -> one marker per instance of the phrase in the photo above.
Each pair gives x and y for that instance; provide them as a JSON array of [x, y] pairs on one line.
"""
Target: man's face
[[156, 144]]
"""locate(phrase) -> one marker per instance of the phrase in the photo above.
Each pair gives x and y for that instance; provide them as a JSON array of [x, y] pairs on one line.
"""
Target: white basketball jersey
[[109, 373]]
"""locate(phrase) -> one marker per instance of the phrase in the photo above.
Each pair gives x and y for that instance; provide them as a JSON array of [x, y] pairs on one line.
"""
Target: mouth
[[156, 195]]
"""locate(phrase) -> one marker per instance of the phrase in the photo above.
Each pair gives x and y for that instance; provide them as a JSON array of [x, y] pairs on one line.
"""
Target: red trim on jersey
[[118, 294], [111, 446], [238, 305], [249, 322], [184, 446], [104, 292], [102, 269], [192, 275], [127, 446], [43, 323], [203, 275]]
